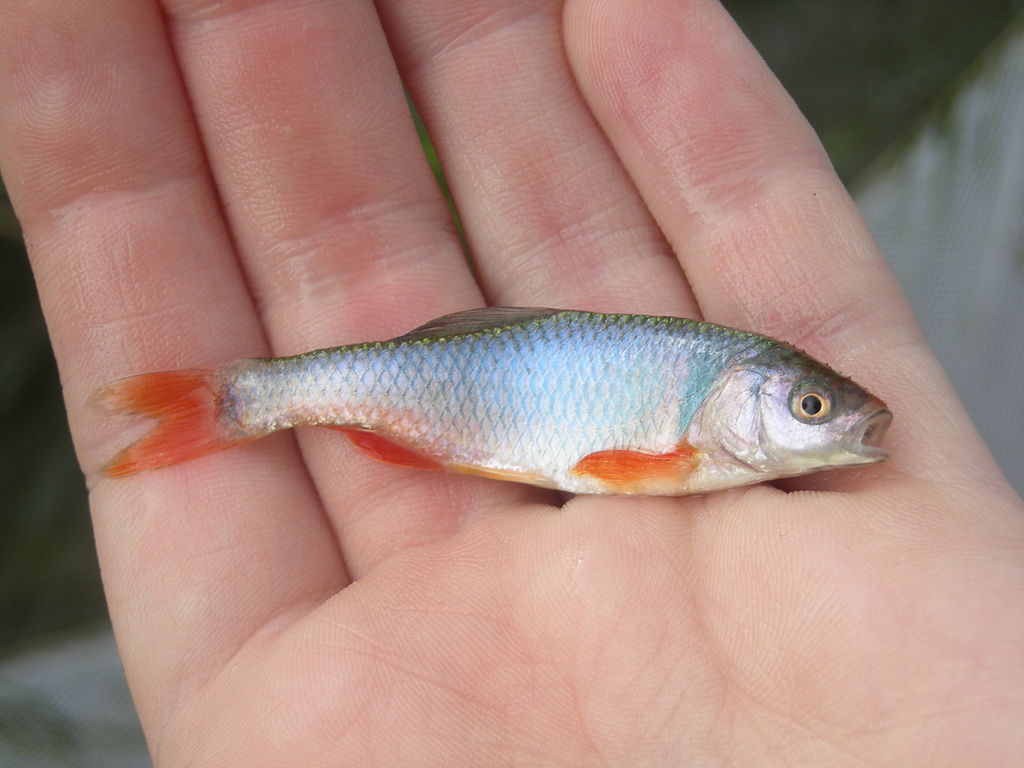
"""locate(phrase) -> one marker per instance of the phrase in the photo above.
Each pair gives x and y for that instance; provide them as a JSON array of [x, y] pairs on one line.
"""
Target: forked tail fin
[[187, 406]]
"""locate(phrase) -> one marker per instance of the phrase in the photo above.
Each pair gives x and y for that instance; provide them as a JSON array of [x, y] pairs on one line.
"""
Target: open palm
[[213, 180]]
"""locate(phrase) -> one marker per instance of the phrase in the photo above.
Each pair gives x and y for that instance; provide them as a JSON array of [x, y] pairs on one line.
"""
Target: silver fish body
[[583, 402]]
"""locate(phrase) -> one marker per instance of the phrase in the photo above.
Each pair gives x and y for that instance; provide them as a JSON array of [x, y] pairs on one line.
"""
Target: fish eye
[[811, 403]]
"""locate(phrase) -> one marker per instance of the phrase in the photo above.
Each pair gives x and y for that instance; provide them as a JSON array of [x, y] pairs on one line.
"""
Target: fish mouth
[[864, 440]]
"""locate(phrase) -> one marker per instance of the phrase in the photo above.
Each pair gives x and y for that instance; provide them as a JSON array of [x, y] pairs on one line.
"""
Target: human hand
[[236, 179]]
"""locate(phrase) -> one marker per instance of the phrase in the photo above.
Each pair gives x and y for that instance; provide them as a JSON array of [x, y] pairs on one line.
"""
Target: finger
[[136, 272], [551, 217], [764, 230], [344, 233]]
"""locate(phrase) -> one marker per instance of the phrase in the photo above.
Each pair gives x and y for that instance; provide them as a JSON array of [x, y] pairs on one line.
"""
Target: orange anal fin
[[626, 471], [186, 405], [381, 448]]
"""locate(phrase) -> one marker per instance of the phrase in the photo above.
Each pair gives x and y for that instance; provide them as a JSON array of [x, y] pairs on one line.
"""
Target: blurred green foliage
[[863, 71], [48, 573]]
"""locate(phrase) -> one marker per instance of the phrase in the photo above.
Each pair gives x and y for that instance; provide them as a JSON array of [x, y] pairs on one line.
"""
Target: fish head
[[781, 414]]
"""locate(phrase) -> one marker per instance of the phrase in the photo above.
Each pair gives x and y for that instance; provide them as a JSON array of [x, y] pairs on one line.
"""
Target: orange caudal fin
[[626, 471], [186, 405]]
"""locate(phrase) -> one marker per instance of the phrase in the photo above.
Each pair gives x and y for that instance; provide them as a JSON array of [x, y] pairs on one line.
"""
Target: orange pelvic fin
[[625, 471], [381, 448], [186, 405]]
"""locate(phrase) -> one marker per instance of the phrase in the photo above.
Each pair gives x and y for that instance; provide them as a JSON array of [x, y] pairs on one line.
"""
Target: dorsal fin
[[476, 320]]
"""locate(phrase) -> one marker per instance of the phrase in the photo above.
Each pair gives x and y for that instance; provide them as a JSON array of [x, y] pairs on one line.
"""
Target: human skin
[[214, 180]]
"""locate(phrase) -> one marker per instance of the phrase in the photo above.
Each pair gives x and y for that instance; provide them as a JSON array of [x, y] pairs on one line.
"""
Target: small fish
[[581, 402]]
